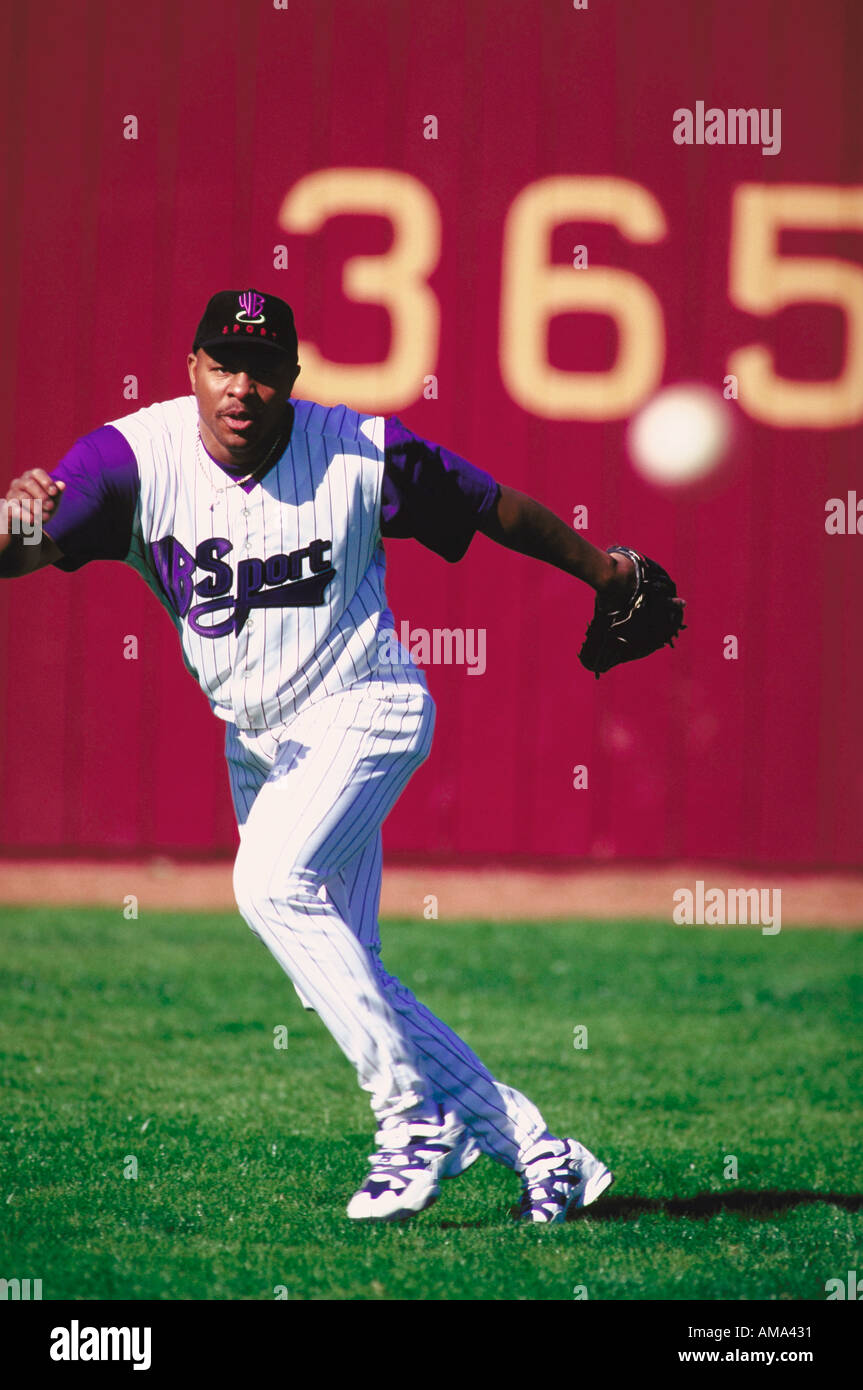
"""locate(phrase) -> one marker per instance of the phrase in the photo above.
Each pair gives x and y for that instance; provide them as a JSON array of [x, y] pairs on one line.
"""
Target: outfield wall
[[307, 128]]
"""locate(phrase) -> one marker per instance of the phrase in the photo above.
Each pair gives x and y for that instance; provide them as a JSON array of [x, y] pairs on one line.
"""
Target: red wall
[[110, 248]]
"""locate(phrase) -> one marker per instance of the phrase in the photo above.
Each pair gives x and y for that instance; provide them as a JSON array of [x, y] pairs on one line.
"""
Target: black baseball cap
[[248, 316]]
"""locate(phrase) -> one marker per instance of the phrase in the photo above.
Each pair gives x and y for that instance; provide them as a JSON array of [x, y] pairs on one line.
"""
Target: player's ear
[[192, 363]]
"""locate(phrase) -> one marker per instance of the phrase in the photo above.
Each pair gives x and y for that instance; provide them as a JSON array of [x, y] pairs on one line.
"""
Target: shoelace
[[544, 1190], [547, 1163]]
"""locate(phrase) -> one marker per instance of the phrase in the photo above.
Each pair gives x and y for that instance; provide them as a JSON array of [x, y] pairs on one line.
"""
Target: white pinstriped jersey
[[277, 593]]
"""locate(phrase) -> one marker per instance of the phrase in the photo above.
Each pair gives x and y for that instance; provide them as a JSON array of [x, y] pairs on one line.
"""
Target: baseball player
[[257, 520]]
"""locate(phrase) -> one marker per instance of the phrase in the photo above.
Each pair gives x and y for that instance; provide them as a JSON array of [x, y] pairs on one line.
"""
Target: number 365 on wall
[[761, 281]]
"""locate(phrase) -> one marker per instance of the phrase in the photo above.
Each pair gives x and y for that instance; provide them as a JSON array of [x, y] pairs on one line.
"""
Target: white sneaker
[[559, 1175], [407, 1168]]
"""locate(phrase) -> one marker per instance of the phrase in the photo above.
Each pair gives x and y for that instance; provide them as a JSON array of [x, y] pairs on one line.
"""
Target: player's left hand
[[644, 614], [621, 583]]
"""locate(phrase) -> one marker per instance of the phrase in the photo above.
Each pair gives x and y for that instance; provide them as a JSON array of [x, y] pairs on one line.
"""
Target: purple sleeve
[[430, 493], [94, 518]]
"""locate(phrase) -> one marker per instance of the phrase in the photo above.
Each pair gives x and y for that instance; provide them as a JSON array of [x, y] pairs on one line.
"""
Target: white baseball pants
[[310, 798]]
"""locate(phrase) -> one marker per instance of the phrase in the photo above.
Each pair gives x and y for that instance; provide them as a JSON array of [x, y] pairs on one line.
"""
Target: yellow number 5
[[762, 281]]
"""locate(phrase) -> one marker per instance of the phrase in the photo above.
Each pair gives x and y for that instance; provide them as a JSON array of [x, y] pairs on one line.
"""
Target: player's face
[[241, 396]]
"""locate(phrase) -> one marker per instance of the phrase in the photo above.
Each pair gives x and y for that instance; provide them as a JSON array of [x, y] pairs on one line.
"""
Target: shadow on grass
[[706, 1204]]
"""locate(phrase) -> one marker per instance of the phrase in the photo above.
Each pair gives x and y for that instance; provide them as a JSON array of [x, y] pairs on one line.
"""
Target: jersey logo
[[276, 582]]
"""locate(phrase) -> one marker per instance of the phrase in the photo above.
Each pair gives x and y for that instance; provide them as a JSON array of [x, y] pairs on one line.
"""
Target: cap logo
[[251, 305]]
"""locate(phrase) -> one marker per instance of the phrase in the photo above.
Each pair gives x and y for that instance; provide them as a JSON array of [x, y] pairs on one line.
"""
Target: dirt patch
[[495, 894]]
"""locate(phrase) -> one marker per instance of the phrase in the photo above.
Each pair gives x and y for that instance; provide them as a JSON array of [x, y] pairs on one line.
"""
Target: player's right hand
[[35, 486]]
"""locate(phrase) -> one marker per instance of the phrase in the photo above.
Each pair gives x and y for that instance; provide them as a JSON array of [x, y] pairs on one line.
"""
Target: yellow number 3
[[398, 280]]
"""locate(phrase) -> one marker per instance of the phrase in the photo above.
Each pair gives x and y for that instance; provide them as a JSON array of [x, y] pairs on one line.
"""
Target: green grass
[[154, 1039]]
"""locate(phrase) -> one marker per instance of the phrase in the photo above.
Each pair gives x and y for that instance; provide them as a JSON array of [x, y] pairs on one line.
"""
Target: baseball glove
[[651, 618]]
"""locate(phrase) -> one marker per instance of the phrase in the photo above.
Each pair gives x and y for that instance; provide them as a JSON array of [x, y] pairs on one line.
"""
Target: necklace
[[215, 487]]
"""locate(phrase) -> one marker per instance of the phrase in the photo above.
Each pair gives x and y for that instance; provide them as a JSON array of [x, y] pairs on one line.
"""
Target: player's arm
[[29, 502], [85, 508], [437, 497], [441, 500], [521, 523]]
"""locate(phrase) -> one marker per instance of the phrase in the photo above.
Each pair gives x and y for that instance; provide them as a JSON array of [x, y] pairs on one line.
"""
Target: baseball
[[681, 435]]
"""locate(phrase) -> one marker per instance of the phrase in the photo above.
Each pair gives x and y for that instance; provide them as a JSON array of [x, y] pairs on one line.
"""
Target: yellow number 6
[[534, 291]]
